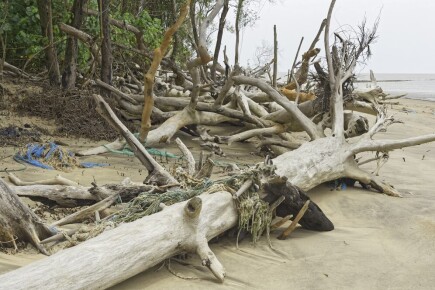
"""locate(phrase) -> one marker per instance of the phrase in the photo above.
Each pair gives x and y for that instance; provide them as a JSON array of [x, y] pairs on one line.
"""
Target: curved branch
[[304, 121], [159, 53], [388, 145]]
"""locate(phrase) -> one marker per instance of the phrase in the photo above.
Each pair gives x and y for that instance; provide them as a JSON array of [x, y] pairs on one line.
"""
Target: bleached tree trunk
[[129, 249]]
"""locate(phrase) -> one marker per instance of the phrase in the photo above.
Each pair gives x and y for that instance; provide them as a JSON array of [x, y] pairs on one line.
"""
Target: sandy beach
[[379, 242]]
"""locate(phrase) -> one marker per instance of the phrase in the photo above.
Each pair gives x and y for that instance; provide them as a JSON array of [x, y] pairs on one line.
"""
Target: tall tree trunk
[[18, 222], [219, 39], [69, 73], [106, 44], [176, 42], [44, 9]]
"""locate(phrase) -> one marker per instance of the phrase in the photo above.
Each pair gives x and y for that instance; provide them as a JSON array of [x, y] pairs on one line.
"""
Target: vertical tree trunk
[[18, 222], [44, 9], [238, 16], [69, 73], [175, 37], [219, 40], [275, 56], [106, 45]]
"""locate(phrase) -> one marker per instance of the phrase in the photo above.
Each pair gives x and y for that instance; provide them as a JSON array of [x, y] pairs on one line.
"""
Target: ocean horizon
[[416, 86], [420, 86]]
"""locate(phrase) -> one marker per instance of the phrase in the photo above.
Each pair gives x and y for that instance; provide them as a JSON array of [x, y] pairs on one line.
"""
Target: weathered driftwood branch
[[85, 213], [295, 222], [159, 53], [156, 172], [68, 196], [72, 196], [313, 131], [256, 132], [185, 226], [85, 39], [13, 69], [58, 179], [189, 157], [18, 222]]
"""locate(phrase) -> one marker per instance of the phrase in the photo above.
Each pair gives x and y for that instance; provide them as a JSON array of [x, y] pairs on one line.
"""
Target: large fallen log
[[72, 196], [129, 249]]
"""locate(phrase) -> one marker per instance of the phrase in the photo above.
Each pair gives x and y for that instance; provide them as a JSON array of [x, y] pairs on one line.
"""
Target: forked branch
[[159, 53]]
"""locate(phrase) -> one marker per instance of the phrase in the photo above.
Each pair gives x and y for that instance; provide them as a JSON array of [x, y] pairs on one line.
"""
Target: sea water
[[416, 86]]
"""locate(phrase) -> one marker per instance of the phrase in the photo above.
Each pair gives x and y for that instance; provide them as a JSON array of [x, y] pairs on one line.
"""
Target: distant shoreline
[[381, 81]]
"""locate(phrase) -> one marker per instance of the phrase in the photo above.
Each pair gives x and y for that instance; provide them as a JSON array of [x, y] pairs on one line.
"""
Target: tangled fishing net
[[51, 156], [255, 215]]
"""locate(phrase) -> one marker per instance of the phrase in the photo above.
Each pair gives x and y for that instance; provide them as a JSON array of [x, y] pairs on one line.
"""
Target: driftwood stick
[[206, 170], [81, 214], [186, 152], [156, 172], [304, 121], [280, 222], [117, 92], [256, 132], [59, 236], [290, 77], [58, 180], [245, 186], [293, 225]]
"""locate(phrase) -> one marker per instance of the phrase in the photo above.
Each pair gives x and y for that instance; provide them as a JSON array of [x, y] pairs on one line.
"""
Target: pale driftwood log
[[139, 245], [58, 180], [63, 195], [71, 196], [331, 158], [256, 132], [167, 130]]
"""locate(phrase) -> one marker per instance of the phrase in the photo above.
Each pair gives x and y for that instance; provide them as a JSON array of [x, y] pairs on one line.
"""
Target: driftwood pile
[[323, 105]]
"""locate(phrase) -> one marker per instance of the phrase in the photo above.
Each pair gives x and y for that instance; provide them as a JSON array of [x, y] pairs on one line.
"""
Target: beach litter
[[51, 156]]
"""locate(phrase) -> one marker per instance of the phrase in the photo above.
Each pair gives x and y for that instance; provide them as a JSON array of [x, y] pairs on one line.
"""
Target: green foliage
[[20, 27], [151, 28]]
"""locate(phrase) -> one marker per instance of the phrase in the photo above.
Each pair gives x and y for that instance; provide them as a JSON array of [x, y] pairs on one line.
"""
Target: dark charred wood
[[314, 218]]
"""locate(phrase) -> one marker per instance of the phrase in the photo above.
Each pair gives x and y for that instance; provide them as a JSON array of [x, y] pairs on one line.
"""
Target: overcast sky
[[406, 42]]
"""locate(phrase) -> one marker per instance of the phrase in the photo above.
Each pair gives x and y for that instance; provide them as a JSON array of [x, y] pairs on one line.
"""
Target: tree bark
[[69, 73], [106, 44], [45, 15]]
